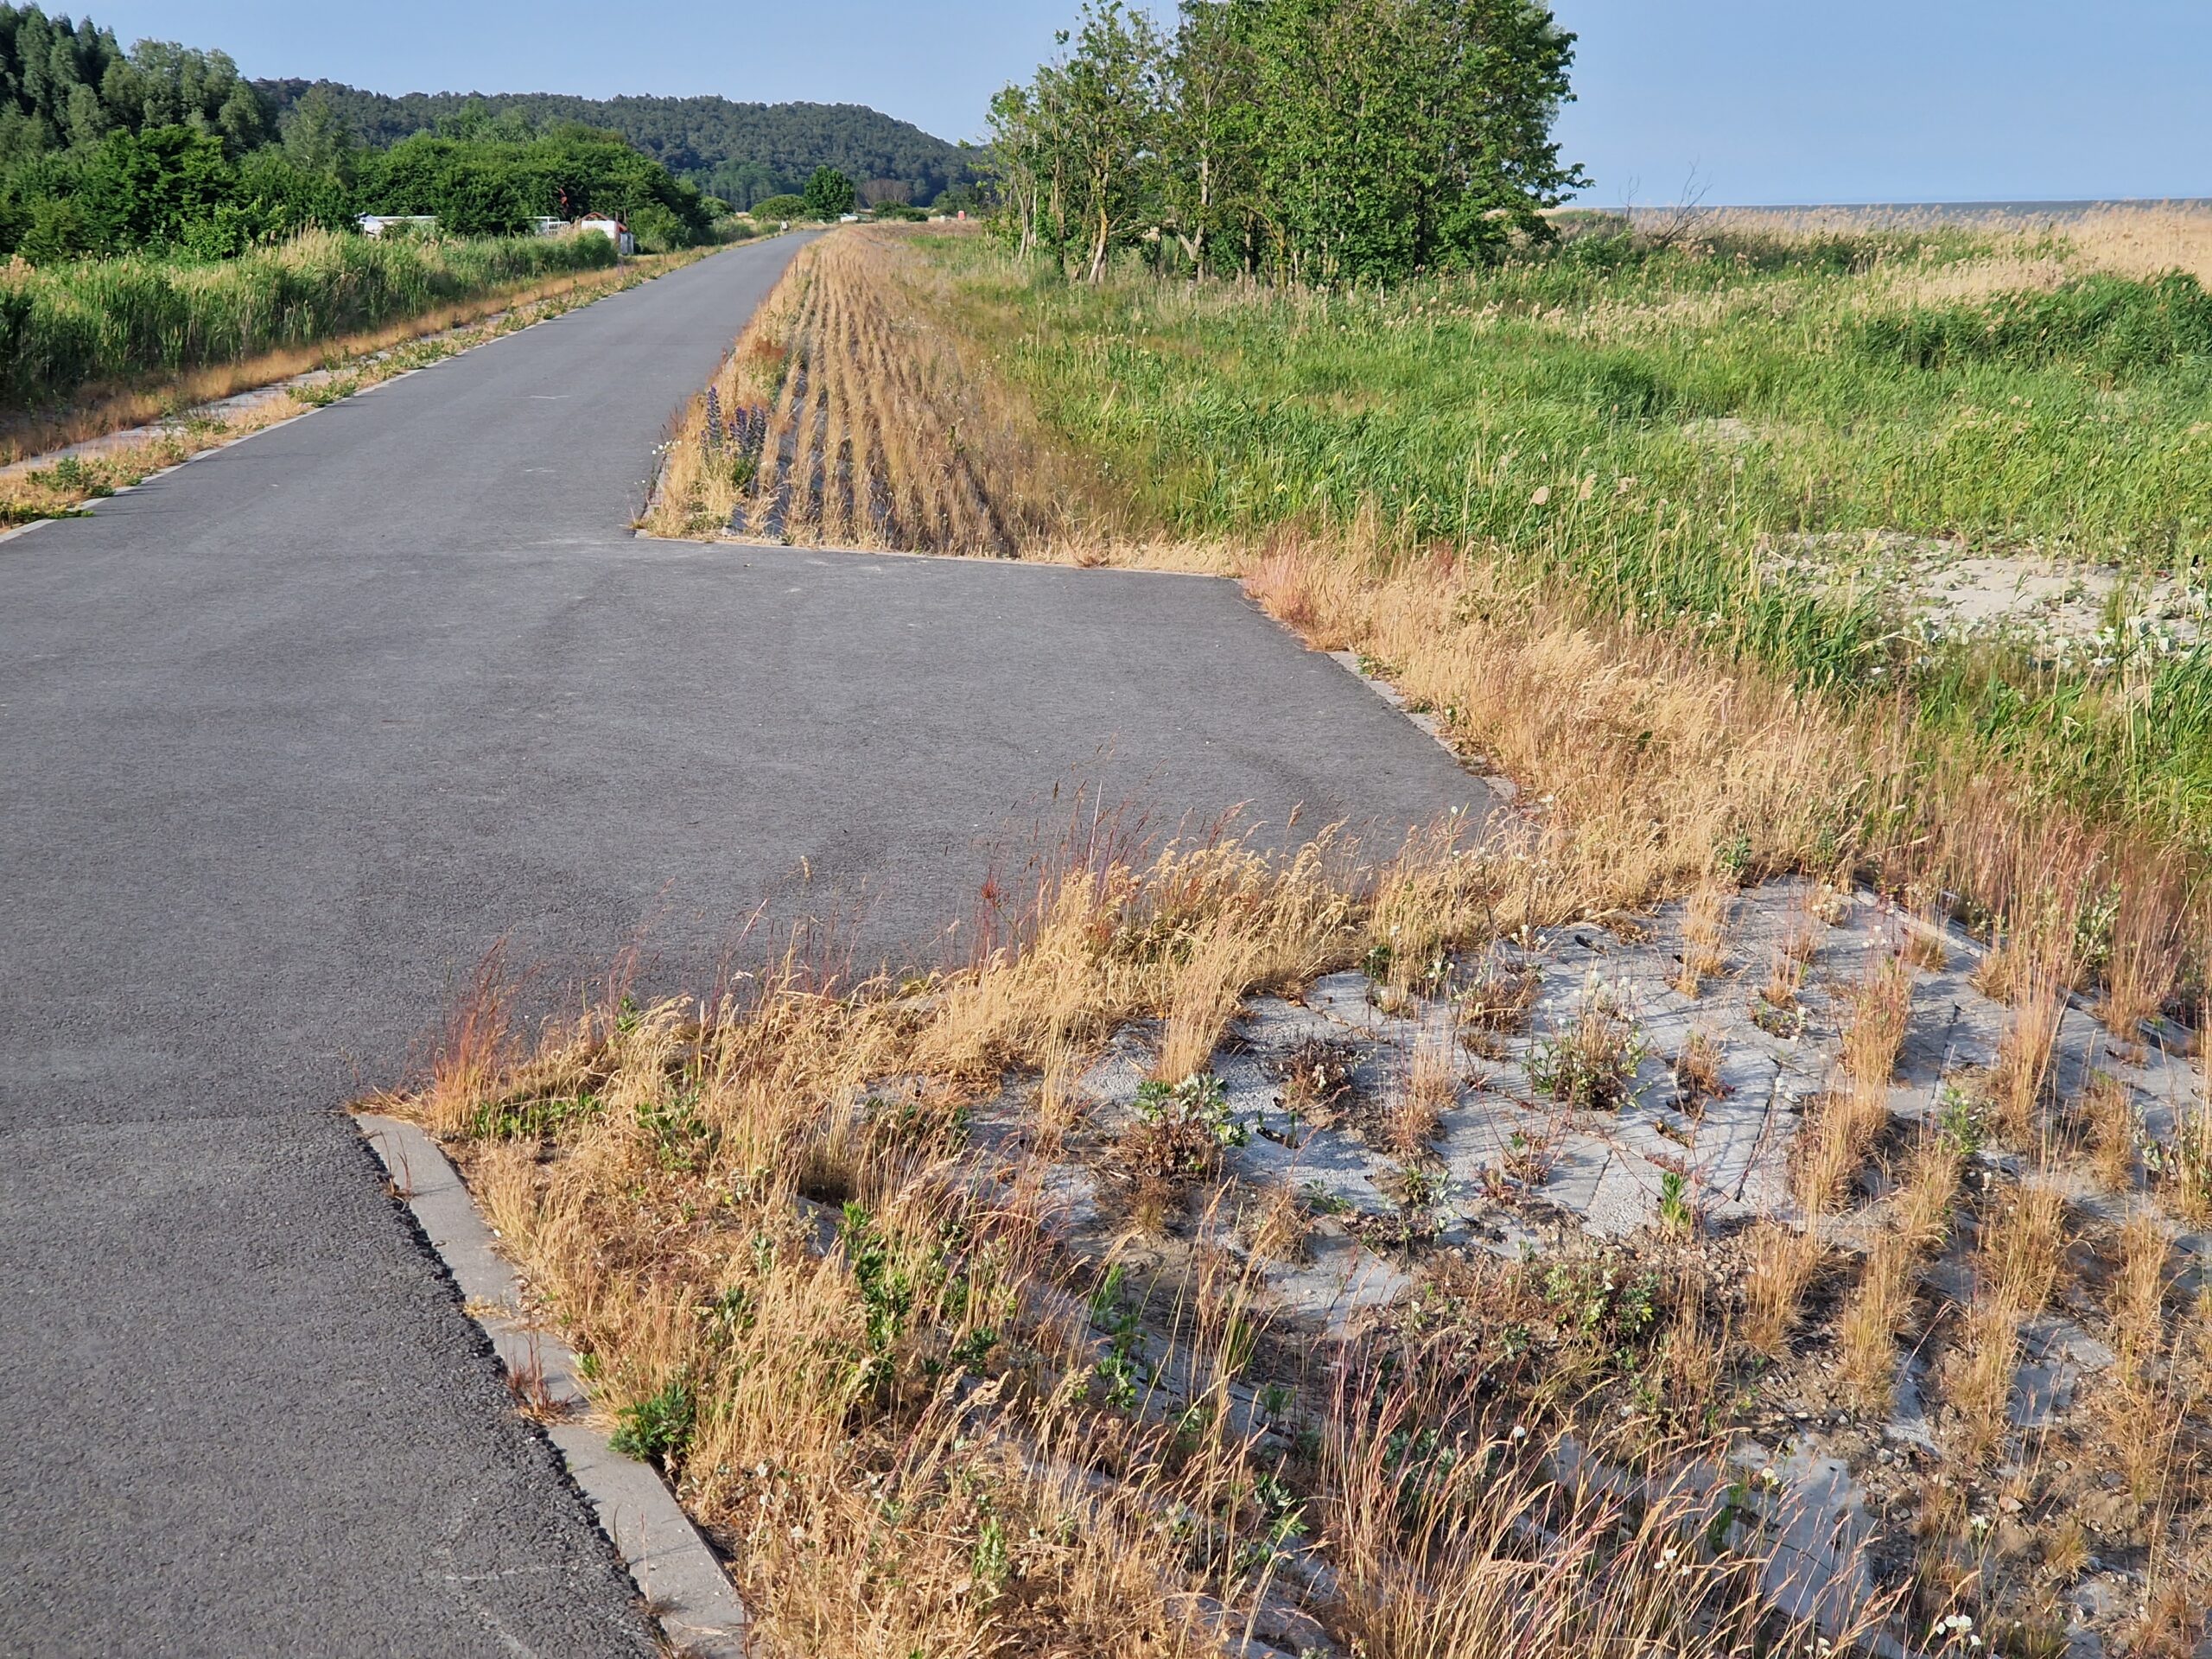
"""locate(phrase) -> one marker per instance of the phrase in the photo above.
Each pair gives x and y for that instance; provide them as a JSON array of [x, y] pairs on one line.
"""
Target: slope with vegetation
[[66, 328], [741, 153], [145, 422]]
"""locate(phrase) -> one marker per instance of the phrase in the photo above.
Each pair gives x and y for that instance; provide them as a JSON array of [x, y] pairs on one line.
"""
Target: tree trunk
[[1098, 244]]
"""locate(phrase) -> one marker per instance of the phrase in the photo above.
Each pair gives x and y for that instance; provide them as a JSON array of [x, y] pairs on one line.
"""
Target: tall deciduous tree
[[1211, 135], [1320, 139], [1110, 110]]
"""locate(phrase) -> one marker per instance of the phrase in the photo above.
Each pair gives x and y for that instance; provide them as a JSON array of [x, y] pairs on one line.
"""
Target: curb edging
[[683, 1584]]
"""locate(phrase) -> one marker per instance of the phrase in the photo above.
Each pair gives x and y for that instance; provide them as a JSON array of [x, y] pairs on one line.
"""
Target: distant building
[[378, 223], [613, 229], [549, 225]]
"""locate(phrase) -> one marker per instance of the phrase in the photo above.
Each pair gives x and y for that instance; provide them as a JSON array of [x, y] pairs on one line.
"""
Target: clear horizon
[[1739, 101]]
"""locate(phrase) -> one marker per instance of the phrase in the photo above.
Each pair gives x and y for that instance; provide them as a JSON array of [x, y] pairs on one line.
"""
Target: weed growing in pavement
[[1591, 1066], [1317, 1083], [948, 1390], [1182, 1129], [532, 1119], [1697, 1072]]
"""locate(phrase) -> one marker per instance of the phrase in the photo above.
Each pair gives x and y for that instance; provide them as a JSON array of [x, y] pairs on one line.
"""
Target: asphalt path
[[289, 739]]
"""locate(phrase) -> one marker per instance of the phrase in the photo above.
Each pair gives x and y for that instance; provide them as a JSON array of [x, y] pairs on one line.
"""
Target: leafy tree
[[57, 229], [490, 185], [780, 207], [1210, 136], [1316, 139], [315, 137], [827, 193], [1025, 166], [1106, 108], [154, 186], [66, 85], [1394, 136], [161, 84]]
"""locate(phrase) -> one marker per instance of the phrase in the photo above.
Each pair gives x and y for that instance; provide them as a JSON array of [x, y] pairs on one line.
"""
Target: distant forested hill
[[740, 152]]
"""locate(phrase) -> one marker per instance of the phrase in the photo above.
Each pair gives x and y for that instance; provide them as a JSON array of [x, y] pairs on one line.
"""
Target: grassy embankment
[[1547, 501], [1643, 432], [840, 416], [106, 346]]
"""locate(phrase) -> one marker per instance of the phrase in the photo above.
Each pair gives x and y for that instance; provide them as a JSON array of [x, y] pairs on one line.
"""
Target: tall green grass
[[1643, 425], [63, 327]]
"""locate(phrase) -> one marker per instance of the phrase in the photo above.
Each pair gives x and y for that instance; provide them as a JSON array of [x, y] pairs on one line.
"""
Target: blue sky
[[1766, 100]]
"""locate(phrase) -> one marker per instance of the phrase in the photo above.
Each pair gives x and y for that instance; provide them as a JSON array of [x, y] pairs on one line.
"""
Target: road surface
[[290, 737]]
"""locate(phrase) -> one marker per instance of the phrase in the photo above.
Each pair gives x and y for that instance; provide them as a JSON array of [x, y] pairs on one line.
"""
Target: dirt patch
[[2068, 614]]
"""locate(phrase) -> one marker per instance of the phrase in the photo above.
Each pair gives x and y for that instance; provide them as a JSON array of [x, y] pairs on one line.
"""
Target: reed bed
[[68, 329]]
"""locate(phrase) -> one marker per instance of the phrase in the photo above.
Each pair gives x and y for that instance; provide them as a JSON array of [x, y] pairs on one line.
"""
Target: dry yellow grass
[[859, 429], [1431, 1089], [1783, 1260], [912, 1441], [1847, 1120], [1206, 991], [1881, 1307], [2014, 1268], [2125, 240], [2109, 1108], [1705, 934], [1279, 1225], [2040, 971]]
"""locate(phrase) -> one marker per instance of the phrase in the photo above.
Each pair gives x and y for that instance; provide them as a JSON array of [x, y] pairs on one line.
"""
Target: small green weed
[[1182, 1128], [1591, 1065], [657, 1429], [532, 1120], [323, 393], [680, 1136], [1675, 1213], [1961, 1119]]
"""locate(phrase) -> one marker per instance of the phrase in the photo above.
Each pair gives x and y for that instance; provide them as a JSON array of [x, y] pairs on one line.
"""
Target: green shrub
[[829, 194]]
